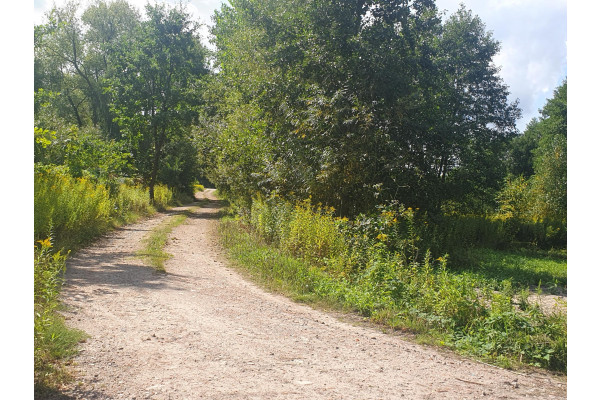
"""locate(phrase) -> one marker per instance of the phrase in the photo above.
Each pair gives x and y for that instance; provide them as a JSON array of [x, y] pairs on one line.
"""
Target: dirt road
[[201, 331]]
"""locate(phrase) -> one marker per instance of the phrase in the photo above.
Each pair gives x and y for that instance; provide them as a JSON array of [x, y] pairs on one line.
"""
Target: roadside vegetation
[[380, 267], [69, 213]]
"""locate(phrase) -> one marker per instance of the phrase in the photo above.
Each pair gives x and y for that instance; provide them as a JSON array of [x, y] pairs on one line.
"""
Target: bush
[[130, 200], [163, 197]]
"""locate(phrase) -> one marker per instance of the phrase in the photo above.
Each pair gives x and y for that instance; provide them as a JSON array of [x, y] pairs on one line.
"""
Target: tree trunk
[[75, 110], [158, 144]]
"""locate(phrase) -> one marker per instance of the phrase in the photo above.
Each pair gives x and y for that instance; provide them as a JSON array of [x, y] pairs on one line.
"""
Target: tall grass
[[75, 210], [377, 265], [72, 210]]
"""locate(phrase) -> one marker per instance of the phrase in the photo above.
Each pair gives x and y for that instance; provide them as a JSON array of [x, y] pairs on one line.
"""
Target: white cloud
[[533, 56]]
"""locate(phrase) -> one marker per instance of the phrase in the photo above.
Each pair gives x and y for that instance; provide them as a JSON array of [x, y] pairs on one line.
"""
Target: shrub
[[163, 197], [130, 200]]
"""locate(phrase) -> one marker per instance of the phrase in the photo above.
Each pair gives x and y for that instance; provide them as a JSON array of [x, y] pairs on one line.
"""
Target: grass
[[74, 211], [53, 340], [524, 268], [154, 243]]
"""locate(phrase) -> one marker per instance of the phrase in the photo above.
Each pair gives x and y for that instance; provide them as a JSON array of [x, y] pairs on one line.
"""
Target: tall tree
[[550, 157], [71, 59], [364, 101], [536, 186], [475, 121], [159, 69]]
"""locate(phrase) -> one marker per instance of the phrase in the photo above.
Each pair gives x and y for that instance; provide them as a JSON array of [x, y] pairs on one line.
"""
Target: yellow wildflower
[[45, 243], [382, 237]]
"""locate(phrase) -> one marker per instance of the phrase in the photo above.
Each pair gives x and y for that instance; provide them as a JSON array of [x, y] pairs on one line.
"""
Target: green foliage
[[72, 210], [308, 102], [311, 233], [76, 210], [131, 201], [376, 264], [161, 64], [181, 165], [238, 149], [163, 197], [83, 150], [72, 60], [104, 67], [52, 339], [543, 195]]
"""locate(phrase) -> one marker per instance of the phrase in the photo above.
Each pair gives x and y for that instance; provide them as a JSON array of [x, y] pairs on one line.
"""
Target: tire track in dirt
[[201, 331]]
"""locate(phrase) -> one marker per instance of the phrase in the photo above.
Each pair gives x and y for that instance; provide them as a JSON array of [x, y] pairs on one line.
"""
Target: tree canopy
[[136, 81], [359, 102], [354, 103]]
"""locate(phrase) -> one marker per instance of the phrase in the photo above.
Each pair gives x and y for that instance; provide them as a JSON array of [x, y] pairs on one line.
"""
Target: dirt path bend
[[203, 332]]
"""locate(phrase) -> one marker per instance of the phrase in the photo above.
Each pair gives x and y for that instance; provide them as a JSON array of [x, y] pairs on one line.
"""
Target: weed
[[53, 340]]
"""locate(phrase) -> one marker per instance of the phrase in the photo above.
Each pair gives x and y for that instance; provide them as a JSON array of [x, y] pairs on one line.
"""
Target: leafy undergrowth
[[74, 211], [53, 340], [374, 266]]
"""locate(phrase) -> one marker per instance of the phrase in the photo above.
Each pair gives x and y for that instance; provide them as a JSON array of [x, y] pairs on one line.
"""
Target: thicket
[[536, 185], [378, 264], [75, 210], [116, 95], [359, 103]]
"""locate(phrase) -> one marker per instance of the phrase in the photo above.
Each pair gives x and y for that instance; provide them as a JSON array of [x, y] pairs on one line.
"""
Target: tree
[[550, 158], [364, 101], [72, 60], [159, 67], [542, 149], [474, 122]]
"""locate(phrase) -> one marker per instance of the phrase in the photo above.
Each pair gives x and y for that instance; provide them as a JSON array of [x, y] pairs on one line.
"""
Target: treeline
[[357, 103], [360, 103], [354, 103]]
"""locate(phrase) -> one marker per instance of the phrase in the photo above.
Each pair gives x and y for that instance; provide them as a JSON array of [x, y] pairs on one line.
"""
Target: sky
[[532, 34]]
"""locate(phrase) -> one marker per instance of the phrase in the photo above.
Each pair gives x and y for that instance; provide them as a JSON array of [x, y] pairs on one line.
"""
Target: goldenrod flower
[[382, 237], [45, 243]]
